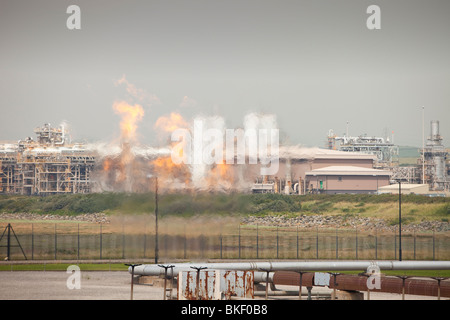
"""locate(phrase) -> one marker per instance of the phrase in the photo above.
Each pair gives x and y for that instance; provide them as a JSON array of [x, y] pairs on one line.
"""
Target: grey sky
[[312, 63]]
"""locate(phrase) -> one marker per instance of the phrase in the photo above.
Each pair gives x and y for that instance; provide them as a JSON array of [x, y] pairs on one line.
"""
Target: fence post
[[414, 244], [434, 257], [337, 243], [239, 241], [185, 246], [101, 242], [277, 242], [376, 244], [317, 243], [221, 243], [78, 242], [257, 242], [32, 241], [356, 243], [56, 245], [395, 246], [8, 244], [202, 245], [297, 242], [145, 242], [123, 241]]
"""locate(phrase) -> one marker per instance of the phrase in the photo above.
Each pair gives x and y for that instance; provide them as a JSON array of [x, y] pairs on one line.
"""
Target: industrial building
[[49, 165], [406, 188], [433, 167], [315, 170], [347, 179]]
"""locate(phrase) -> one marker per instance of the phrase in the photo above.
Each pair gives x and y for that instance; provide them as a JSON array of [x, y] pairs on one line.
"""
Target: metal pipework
[[396, 284], [155, 270], [437, 286]]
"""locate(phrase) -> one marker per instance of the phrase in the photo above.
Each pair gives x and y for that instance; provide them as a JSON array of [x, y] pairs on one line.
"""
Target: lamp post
[[156, 221], [150, 176]]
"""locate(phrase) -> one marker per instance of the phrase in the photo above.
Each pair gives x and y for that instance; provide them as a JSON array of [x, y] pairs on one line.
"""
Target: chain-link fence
[[67, 241]]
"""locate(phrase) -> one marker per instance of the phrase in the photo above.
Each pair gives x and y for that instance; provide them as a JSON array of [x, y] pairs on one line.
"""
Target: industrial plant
[[52, 164], [435, 170], [385, 151], [48, 165], [432, 169]]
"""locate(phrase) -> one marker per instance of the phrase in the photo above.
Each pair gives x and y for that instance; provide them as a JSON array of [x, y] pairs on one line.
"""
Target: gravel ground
[[341, 221], [304, 221], [88, 217]]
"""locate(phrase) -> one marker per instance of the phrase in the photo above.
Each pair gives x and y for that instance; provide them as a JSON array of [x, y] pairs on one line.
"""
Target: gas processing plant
[[432, 168], [51, 164]]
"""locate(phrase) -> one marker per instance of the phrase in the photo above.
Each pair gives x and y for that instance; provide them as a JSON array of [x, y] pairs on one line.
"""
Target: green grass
[[186, 205], [418, 273], [122, 267]]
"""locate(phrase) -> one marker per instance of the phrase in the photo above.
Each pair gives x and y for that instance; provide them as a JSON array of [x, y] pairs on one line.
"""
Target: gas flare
[[220, 176], [167, 171], [131, 115], [170, 123], [131, 166], [171, 175], [123, 171]]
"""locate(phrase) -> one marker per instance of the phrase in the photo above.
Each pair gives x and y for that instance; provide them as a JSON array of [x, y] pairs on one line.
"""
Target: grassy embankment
[[415, 208]]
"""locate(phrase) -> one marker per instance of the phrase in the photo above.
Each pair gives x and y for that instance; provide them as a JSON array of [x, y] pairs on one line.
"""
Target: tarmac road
[[107, 285], [52, 285]]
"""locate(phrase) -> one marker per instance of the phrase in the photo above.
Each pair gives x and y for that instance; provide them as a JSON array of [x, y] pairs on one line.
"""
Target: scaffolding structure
[[408, 174], [385, 151], [50, 165]]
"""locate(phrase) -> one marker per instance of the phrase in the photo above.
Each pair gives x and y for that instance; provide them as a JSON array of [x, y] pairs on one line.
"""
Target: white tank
[[435, 138]]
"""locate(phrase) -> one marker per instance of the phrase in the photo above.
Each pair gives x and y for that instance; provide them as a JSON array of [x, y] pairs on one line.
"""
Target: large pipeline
[[297, 266], [391, 284]]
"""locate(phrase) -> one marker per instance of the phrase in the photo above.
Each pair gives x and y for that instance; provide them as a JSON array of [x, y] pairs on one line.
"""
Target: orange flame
[[220, 176], [223, 169], [130, 116], [164, 167], [107, 165], [167, 171], [171, 123]]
